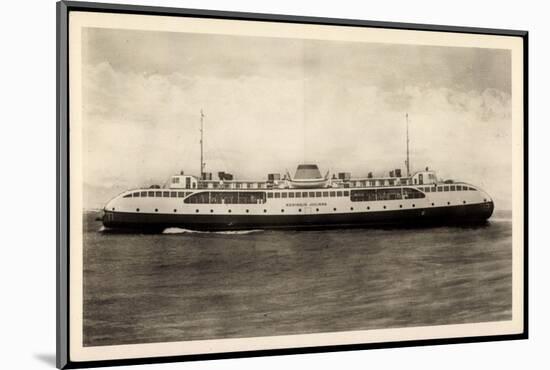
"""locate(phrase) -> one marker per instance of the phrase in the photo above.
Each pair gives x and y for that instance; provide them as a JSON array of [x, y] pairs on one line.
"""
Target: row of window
[[158, 194], [441, 188], [367, 195], [232, 185], [308, 194], [234, 197], [381, 182], [259, 197], [227, 197]]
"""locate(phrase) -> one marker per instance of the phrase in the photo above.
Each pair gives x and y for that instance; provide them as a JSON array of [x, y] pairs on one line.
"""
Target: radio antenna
[[407, 162], [202, 155]]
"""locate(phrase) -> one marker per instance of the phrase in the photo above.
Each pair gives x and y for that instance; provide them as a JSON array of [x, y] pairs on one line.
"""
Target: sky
[[272, 103]]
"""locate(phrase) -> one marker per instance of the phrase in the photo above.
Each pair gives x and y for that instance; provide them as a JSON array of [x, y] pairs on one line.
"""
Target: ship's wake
[[500, 219], [177, 230]]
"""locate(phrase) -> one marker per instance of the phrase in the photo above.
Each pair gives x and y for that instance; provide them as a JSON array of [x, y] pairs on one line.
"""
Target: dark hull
[[151, 222]]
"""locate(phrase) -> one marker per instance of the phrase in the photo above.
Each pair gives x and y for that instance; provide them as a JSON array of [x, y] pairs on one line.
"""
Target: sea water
[[187, 285]]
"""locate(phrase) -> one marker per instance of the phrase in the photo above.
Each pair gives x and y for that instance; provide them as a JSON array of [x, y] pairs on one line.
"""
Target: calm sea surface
[[184, 285]]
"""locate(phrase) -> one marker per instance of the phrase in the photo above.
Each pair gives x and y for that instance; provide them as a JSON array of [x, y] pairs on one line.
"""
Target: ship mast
[[202, 159], [407, 162]]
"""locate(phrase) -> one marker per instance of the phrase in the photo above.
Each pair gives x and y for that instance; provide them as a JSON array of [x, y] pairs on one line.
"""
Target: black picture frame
[[64, 8]]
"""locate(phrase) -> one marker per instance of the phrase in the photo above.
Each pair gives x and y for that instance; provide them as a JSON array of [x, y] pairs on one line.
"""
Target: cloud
[[142, 128], [340, 105]]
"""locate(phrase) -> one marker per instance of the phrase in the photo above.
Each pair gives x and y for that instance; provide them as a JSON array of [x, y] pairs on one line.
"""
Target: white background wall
[[27, 145]]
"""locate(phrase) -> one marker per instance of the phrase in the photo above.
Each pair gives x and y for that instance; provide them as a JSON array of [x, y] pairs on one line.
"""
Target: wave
[[177, 230]]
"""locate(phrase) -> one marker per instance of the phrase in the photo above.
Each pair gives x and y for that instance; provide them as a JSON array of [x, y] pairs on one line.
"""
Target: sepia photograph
[[240, 186]]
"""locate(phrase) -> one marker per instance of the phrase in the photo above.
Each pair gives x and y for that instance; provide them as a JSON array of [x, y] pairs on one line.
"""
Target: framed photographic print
[[235, 184]]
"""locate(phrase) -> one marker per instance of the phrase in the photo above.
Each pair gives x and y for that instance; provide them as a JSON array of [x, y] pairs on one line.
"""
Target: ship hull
[[155, 222]]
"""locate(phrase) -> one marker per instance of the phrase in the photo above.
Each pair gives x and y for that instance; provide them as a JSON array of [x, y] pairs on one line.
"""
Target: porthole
[[229, 210], [368, 208], [197, 210], [384, 207], [448, 203], [299, 210], [400, 206], [175, 210], [113, 208], [282, 210], [247, 211], [265, 210], [137, 209], [483, 200], [317, 209], [211, 211], [156, 209], [414, 205], [351, 208], [335, 209], [463, 202]]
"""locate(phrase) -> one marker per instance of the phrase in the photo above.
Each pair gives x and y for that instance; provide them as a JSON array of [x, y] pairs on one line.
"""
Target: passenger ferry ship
[[305, 200]]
